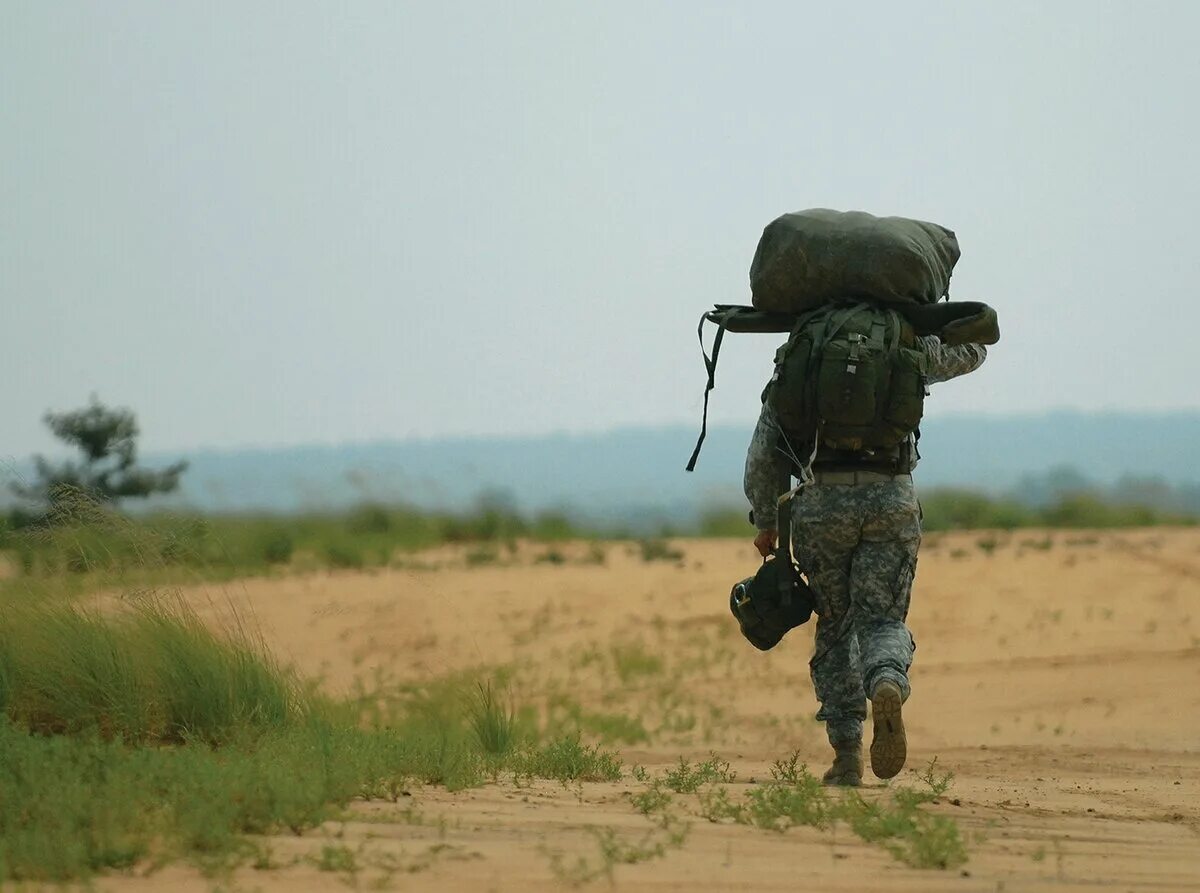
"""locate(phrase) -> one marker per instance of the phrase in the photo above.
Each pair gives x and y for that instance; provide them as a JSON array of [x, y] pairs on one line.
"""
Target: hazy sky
[[266, 223]]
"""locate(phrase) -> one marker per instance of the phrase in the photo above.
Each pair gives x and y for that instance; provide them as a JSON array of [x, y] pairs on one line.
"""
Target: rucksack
[[849, 377], [857, 383]]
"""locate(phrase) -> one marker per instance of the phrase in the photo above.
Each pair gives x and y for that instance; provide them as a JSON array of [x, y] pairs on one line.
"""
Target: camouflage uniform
[[857, 544]]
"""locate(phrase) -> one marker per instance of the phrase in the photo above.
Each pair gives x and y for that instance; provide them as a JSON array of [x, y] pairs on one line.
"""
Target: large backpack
[[954, 322], [853, 290], [849, 378]]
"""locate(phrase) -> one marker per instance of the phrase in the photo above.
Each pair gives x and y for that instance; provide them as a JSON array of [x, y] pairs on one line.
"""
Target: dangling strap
[[710, 364], [783, 547], [783, 523]]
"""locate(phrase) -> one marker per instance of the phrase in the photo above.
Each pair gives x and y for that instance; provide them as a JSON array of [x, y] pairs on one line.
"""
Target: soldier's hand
[[765, 542]]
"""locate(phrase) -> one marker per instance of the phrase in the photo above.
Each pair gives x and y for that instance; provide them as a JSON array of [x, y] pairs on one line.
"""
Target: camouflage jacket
[[766, 465]]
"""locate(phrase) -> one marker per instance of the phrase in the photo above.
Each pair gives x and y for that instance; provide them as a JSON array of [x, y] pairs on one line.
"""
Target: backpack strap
[[833, 324], [710, 364], [783, 545]]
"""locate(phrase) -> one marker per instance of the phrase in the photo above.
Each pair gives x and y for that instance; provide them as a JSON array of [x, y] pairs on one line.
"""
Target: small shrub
[[369, 519], [482, 555], [653, 799], [988, 544], [278, 547], [344, 556], [659, 550], [336, 858]]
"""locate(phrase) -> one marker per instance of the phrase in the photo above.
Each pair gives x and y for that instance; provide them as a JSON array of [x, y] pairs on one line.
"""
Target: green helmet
[[770, 603]]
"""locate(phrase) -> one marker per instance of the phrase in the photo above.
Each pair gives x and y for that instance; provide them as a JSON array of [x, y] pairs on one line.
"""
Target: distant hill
[[636, 475]]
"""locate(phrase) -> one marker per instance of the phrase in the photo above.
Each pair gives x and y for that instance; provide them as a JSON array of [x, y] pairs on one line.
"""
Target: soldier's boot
[[889, 747], [847, 768]]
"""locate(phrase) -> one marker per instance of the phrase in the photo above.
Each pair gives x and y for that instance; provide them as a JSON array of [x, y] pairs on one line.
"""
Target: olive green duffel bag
[[809, 258]]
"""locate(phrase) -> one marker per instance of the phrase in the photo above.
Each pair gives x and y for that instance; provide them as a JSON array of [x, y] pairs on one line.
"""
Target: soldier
[[855, 533]]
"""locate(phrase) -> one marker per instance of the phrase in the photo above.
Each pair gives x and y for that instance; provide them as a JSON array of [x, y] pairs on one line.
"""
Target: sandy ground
[[1057, 675]]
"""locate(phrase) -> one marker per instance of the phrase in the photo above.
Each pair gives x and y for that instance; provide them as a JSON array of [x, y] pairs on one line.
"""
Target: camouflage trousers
[[857, 544]]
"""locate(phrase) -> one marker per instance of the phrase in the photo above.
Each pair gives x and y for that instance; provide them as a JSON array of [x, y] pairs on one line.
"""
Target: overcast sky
[[270, 223]]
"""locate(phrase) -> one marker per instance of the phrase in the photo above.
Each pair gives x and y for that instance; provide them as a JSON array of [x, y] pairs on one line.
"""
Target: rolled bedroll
[[955, 322]]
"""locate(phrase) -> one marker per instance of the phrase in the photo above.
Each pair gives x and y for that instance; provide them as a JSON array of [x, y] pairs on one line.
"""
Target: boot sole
[[889, 746]]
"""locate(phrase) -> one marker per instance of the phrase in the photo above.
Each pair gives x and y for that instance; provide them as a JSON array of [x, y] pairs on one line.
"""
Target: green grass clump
[[493, 721], [75, 805], [568, 759], [142, 735], [150, 673]]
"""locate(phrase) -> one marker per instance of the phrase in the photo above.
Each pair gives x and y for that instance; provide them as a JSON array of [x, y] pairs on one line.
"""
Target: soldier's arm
[[946, 362], [765, 468]]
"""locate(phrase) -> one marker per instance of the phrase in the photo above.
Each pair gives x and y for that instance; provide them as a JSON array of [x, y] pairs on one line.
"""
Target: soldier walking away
[[856, 528]]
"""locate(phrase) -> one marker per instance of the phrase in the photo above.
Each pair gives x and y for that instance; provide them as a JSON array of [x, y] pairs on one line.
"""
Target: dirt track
[[1057, 676]]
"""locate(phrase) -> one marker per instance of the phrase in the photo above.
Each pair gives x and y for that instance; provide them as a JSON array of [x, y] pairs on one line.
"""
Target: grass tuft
[[493, 720], [151, 673]]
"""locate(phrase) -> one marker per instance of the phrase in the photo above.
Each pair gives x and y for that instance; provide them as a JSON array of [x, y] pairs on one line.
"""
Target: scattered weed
[[614, 850], [687, 779], [653, 799], [568, 715], [794, 797]]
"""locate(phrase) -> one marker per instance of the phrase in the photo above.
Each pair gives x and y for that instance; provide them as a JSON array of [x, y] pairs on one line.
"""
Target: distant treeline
[[1065, 482], [83, 537]]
